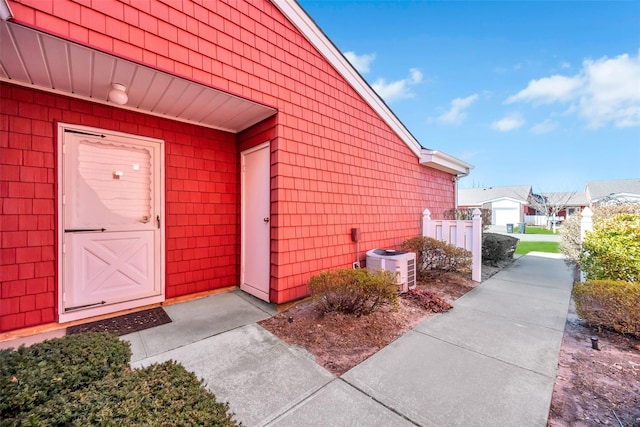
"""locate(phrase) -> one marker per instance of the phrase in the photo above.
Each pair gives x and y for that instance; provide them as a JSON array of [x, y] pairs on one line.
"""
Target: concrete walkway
[[491, 361]]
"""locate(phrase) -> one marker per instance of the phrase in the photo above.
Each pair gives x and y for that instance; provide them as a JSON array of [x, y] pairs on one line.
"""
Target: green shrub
[[570, 243], [609, 304], [84, 380], [497, 247], [30, 376], [354, 291], [158, 395], [436, 256], [612, 249]]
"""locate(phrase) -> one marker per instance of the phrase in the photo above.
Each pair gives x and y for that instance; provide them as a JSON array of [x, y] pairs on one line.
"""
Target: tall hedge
[[570, 241], [612, 249]]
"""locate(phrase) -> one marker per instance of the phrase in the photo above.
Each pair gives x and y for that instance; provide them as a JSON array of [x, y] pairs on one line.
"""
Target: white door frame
[[160, 251], [245, 240]]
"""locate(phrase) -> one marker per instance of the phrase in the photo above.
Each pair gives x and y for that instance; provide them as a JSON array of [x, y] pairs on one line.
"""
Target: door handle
[[266, 219]]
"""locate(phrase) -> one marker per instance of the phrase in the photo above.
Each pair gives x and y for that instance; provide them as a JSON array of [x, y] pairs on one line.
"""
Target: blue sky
[[542, 93]]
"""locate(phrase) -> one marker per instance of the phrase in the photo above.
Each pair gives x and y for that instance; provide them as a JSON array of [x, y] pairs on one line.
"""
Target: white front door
[[255, 262], [111, 222]]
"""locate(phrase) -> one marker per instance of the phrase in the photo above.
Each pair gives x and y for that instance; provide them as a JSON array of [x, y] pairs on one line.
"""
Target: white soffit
[[35, 59]]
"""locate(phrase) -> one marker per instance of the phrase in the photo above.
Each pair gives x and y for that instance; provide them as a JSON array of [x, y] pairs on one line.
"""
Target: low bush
[[612, 250], [609, 304], [497, 247], [427, 299], [30, 376], [354, 291], [436, 256], [158, 395], [85, 379]]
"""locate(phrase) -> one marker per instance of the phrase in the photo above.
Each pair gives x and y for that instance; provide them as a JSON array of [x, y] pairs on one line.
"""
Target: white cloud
[[605, 91], [456, 113], [612, 93], [565, 64], [416, 75], [398, 89], [360, 62], [544, 127], [510, 122], [548, 90]]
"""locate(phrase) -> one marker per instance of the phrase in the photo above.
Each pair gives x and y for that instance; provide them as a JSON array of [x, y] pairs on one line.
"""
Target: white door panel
[[111, 267], [111, 218], [256, 229]]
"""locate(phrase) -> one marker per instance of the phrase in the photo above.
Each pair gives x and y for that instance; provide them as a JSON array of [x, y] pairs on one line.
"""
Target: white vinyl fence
[[465, 234], [541, 220]]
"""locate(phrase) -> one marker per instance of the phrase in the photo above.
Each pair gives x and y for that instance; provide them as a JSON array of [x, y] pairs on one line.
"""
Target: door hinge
[[79, 132], [78, 307]]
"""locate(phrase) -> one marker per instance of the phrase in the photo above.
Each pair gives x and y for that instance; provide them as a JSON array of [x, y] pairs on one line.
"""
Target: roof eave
[[298, 17], [444, 162], [5, 10]]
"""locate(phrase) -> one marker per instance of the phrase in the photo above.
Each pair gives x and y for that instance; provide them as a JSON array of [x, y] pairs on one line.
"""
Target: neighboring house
[[553, 208], [507, 204], [574, 202], [153, 150], [614, 191]]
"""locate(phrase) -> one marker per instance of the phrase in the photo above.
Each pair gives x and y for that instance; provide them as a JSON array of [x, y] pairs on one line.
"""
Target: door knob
[[266, 219]]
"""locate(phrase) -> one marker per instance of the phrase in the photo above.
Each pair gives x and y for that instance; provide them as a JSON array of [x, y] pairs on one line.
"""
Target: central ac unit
[[401, 263]]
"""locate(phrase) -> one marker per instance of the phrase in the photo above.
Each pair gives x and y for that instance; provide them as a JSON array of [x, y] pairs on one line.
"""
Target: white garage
[[505, 216], [506, 203], [505, 212]]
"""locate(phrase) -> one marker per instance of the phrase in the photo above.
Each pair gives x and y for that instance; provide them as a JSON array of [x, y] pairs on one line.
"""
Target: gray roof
[[478, 196], [576, 198], [597, 190]]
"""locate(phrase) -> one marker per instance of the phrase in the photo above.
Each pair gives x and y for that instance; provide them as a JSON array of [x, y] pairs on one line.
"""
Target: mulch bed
[[125, 324]]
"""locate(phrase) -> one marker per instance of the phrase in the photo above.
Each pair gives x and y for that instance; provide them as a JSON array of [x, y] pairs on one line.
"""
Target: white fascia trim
[[442, 161], [5, 10], [316, 37], [511, 199]]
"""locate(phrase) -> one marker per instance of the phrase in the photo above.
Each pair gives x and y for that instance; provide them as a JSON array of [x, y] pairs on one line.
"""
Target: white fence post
[[586, 224], [462, 234], [476, 249], [426, 222]]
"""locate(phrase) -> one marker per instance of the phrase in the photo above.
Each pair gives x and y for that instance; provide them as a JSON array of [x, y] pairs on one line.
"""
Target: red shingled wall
[[201, 171], [335, 163]]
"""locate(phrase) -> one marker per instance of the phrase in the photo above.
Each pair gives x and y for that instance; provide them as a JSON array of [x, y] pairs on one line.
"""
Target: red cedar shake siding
[[335, 164], [202, 210]]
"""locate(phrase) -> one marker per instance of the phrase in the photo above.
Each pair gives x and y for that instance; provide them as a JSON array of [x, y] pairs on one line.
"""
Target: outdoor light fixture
[[117, 94]]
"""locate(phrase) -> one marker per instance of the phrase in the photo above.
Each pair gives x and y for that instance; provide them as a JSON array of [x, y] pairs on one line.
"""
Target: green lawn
[[526, 247], [534, 230]]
